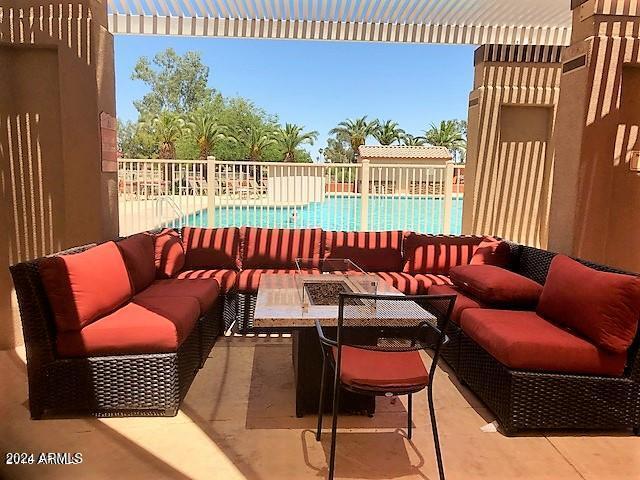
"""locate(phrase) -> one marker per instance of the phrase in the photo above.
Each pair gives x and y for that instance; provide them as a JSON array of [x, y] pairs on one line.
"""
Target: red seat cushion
[[169, 253], [138, 252], [429, 279], [249, 280], [371, 251], [280, 247], [525, 341], [603, 307], [211, 248], [85, 286], [205, 291], [436, 254], [378, 370], [462, 302], [491, 251], [154, 325], [405, 282], [225, 278], [496, 286]]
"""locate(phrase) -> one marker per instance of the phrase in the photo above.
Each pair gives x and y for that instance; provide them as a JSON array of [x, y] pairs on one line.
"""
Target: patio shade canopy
[[518, 22]]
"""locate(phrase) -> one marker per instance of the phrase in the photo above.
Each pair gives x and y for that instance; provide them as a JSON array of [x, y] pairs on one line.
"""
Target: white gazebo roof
[[519, 22]]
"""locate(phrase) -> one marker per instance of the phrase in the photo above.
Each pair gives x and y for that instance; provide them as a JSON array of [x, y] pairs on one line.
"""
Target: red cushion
[[405, 282], [205, 291], [152, 326], [249, 280], [491, 251], [525, 341], [138, 252], [462, 302], [377, 370], [604, 307], [85, 286], [279, 247], [496, 286], [371, 251], [225, 278], [436, 254], [428, 279], [211, 248], [169, 255]]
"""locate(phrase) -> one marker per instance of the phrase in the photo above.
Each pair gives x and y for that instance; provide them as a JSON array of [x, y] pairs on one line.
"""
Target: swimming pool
[[420, 214]]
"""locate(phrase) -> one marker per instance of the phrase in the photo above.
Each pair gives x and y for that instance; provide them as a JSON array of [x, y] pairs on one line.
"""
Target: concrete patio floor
[[238, 421]]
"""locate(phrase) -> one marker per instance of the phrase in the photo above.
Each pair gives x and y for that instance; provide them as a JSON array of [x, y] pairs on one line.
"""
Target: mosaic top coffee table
[[280, 305]]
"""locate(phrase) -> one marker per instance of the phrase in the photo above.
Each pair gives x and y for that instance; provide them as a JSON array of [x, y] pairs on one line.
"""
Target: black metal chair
[[375, 351]]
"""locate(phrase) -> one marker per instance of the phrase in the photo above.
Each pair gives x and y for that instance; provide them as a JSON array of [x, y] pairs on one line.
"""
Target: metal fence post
[[211, 187], [364, 197], [448, 198]]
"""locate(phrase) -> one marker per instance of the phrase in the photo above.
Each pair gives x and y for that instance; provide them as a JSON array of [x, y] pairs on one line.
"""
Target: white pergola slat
[[517, 22]]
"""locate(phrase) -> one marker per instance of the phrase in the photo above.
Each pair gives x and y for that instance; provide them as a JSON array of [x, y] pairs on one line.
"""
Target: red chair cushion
[[371, 251], [436, 254], [85, 286], [205, 291], [496, 286], [462, 302], [279, 247], [249, 280], [138, 252], [211, 248], [225, 278], [428, 279], [405, 282], [525, 341], [154, 325], [491, 251], [169, 255], [604, 307], [378, 370]]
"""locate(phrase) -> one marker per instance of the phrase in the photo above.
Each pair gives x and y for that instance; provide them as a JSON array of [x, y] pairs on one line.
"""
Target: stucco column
[[510, 152], [596, 195], [57, 111]]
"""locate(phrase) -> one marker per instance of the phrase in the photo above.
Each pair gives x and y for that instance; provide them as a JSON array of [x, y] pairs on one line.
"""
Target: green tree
[[177, 82], [409, 140], [256, 139], [355, 132], [291, 137], [135, 141], [338, 150], [388, 132], [206, 132], [448, 134], [167, 128]]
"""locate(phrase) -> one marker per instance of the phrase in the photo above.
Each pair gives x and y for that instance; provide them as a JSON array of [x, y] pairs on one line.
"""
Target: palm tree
[[256, 138], [291, 137], [167, 127], [409, 140], [206, 131], [356, 132], [388, 132], [448, 134]]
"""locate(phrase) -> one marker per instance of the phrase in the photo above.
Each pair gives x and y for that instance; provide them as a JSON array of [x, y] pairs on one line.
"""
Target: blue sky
[[318, 84]]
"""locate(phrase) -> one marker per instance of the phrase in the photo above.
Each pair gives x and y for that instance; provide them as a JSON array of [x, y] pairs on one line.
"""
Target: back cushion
[[603, 307], [138, 252], [279, 247], [211, 248], [371, 251], [492, 251], [169, 253], [85, 286], [436, 254]]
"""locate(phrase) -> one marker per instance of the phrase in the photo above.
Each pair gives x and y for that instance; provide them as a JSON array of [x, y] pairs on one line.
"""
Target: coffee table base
[[307, 365]]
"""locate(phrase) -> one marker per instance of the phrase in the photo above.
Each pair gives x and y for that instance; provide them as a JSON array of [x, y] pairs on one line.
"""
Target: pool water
[[419, 214]]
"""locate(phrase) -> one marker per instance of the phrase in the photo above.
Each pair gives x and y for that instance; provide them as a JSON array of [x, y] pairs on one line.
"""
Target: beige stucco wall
[[510, 152], [594, 209], [55, 78]]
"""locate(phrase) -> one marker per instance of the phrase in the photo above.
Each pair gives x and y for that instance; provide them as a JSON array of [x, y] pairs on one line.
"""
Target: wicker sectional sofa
[[507, 330]]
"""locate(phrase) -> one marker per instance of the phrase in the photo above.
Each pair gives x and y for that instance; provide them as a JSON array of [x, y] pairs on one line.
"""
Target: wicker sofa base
[[525, 401]]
